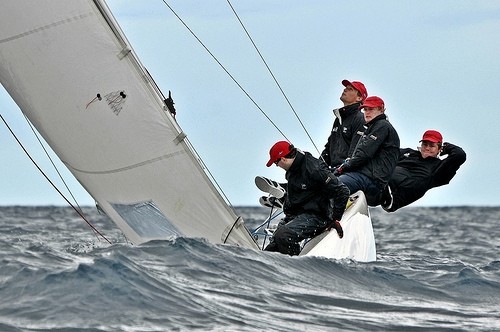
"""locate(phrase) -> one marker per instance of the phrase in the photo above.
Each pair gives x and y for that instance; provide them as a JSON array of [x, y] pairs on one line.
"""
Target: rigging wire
[[205, 167], [272, 75], [224, 68], [78, 211], [51, 161]]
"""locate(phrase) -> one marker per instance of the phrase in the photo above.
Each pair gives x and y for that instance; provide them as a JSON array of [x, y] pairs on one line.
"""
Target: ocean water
[[437, 269]]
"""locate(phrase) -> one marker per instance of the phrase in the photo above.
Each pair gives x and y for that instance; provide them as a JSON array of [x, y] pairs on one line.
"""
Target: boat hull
[[358, 242]]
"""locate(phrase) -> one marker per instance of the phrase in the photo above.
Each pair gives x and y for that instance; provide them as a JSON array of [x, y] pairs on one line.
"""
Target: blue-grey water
[[437, 269]]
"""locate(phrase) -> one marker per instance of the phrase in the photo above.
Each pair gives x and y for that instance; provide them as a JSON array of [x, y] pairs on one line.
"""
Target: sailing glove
[[336, 225], [445, 149]]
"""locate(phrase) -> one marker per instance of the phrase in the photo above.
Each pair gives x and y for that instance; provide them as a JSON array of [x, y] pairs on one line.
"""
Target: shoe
[[271, 202], [269, 186], [386, 198]]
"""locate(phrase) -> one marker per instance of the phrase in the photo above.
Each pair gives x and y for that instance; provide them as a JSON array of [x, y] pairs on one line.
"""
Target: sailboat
[[73, 73]]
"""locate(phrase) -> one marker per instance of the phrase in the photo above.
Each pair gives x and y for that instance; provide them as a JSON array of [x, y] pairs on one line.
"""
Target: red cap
[[373, 101], [278, 150], [432, 136], [360, 87]]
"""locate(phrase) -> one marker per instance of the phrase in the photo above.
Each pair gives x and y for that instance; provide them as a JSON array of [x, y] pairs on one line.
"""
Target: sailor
[[315, 199], [375, 155], [420, 170], [348, 125], [346, 131]]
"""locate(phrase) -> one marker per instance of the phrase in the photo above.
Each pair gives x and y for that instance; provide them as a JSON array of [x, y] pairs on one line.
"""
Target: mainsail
[[72, 72]]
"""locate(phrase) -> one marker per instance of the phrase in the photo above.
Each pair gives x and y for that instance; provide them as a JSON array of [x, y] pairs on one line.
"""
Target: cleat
[[269, 186], [271, 202]]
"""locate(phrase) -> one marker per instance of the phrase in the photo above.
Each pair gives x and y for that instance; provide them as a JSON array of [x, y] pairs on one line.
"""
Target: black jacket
[[415, 175], [310, 188], [377, 152], [346, 131]]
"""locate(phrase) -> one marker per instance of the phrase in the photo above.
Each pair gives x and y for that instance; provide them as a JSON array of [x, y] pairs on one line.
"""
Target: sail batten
[[70, 69]]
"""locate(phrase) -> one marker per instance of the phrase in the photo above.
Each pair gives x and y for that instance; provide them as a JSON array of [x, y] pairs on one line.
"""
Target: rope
[[52, 162], [272, 75], [227, 72], [53, 185]]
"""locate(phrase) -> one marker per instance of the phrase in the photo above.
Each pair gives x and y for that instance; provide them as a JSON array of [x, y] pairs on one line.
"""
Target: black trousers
[[287, 237]]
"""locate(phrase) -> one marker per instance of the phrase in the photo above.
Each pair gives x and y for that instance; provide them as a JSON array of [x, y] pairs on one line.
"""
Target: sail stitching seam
[[126, 168], [45, 27]]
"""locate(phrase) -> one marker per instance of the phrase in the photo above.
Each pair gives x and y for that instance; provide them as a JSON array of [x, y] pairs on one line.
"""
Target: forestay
[[70, 69]]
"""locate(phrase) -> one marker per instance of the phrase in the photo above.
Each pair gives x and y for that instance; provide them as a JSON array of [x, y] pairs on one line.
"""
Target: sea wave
[[57, 276]]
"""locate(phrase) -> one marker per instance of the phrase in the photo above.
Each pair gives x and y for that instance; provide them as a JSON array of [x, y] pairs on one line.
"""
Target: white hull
[[358, 242]]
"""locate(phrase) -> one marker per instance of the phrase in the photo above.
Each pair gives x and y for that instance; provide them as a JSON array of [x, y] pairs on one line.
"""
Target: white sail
[[70, 69]]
